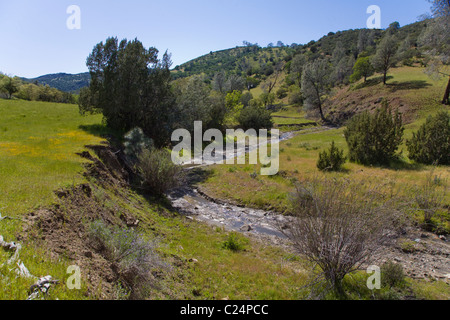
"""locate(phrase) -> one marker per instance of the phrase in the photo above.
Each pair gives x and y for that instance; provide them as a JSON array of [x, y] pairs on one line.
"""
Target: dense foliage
[[131, 87], [431, 143], [15, 87], [255, 117], [373, 139]]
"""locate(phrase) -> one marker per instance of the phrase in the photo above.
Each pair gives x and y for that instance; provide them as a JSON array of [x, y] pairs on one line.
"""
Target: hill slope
[[63, 81]]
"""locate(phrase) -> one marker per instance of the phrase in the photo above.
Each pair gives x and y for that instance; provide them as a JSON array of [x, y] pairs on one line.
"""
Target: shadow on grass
[[399, 165], [102, 131], [371, 82], [409, 85]]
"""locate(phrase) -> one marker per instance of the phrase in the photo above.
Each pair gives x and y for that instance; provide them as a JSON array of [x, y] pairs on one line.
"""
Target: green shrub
[[254, 117], [332, 159], [431, 143], [392, 274], [374, 139], [282, 93], [295, 97], [158, 172], [234, 243], [135, 141]]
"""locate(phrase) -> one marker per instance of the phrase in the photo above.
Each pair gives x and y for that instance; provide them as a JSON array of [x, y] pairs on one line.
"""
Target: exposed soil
[[62, 229], [346, 103]]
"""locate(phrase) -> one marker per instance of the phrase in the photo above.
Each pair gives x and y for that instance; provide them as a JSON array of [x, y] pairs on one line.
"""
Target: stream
[[192, 203]]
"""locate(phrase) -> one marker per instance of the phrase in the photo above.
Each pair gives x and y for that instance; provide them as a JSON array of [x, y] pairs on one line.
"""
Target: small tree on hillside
[[297, 65], [363, 69], [436, 42], [384, 59], [332, 159], [10, 86], [316, 84]]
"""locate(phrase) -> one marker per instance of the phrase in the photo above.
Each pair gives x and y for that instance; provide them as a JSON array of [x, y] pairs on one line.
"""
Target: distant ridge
[[64, 81]]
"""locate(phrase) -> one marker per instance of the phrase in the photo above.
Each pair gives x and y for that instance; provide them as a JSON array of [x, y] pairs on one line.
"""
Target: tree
[[255, 117], [363, 68], [385, 57], [267, 99], [234, 83], [233, 104], [315, 84], [270, 83], [219, 80], [343, 69], [436, 41], [193, 103], [431, 143], [404, 51], [297, 64], [10, 86], [332, 159], [131, 87], [251, 83], [374, 138], [393, 28]]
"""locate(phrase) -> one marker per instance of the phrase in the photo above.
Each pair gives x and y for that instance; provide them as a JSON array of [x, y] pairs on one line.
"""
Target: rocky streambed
[[427, 257]]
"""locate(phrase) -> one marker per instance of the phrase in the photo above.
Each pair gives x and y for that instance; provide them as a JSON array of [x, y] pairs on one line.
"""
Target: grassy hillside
[[408, 89], [244, 61]]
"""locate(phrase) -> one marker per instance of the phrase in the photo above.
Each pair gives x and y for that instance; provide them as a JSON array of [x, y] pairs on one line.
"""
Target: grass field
[[38, 142]]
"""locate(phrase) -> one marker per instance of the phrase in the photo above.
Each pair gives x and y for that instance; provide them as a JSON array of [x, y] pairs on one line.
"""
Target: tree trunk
[[321, 112], [446, 100], [384, 77]]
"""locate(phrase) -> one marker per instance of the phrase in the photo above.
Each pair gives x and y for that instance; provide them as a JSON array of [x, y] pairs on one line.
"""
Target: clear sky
[[36, 41]]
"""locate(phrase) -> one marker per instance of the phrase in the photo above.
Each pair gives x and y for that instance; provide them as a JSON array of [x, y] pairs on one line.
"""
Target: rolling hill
[[63, 81]]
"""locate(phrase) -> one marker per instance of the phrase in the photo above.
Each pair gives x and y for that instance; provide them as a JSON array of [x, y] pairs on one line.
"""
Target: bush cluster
[[255, 117], [158, 172], [431, 143], [373, 139]]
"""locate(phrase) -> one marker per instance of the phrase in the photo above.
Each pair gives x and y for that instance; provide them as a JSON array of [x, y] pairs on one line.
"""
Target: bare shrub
[[133, 257], [430, 199], [339, 225]]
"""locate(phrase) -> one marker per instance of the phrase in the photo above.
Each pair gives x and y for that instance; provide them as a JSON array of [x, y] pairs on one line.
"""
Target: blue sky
[[35, 40]]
